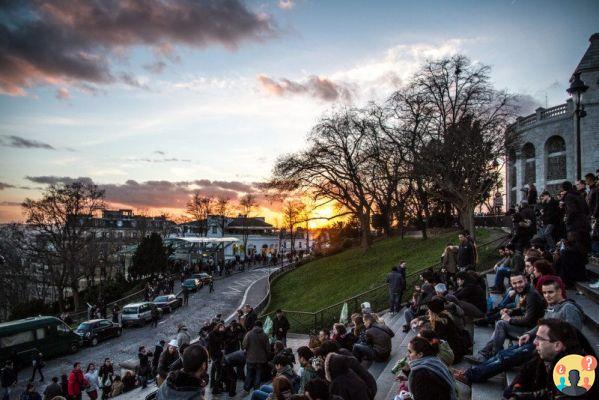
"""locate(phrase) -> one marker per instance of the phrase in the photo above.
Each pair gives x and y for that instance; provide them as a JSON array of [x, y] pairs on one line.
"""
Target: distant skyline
[[153, 100]]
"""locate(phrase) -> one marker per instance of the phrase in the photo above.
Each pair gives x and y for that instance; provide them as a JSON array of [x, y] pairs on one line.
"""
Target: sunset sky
[[152, 100]]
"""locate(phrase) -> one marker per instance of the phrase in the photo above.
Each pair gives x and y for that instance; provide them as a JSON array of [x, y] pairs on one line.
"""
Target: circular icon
[[589, 363], [574, 374]]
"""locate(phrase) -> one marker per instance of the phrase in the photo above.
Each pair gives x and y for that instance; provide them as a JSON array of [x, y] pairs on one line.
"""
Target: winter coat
[[362, 372], [165, 361], [308, 374], [593, 200], [571, 265], [430, 379], [179, 385], [379, 337], [77, 382], [280, 327], [216, 344], [144, 364], [117, 388], [256, 346], [157, 352], [52, 390], [577, 212], [530, 309], [449, 332], [550, 213], [395, 281], [250, 320], [183, 337], [472, 293], [106, 375], [344, 382], [449, 260], [466, 257], [9, 376], [566, 310]]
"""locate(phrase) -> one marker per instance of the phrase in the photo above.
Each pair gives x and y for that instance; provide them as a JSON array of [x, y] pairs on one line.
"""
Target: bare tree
[[199, 207], [61, 221], [293, 215], [222, 208], [334, 167]]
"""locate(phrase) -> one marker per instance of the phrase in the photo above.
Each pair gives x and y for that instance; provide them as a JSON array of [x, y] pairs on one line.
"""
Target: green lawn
[[329, 280]]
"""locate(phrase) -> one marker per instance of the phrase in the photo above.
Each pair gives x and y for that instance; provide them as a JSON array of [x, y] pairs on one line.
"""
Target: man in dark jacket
[[466, 253], [378, 339], [550, 217], [186, 384], [8, 378], [280, 326], [514, 322], [593, 201], [53, 389], [344, 382], [396, 284], [471, 295], [216, 348], [577, 211], [144, 368], [531, 195], [250, 317], [555, 339], [156, 357], [256, 346]]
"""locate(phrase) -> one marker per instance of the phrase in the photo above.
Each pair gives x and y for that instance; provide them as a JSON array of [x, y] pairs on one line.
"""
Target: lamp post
[[576, 90]]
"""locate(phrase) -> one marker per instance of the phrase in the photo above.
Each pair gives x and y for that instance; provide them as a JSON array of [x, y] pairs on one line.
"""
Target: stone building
[[546, 151]]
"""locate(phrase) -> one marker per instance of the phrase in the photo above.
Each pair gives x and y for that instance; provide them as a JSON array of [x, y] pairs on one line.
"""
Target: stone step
[[592, 294], [593, 271], [493, 388], [589, 307]]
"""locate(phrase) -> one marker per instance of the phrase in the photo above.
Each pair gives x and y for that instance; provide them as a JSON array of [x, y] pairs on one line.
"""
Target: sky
[[153, 100]]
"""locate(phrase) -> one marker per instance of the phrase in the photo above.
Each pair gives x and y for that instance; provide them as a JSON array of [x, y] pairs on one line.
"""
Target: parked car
[[26, 337], [138, 313], [168, 302], [192, 284], [203, 277], [95, 330]]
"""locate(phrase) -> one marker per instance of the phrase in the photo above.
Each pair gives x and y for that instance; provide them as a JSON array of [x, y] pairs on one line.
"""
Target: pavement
[[230, 293]]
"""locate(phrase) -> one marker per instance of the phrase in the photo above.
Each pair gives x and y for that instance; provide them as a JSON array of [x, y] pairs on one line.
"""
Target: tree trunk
[[467, 218], [75, 289], [365, 228]]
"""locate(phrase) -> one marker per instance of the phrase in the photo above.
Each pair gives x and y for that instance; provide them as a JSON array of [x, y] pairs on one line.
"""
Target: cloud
[[10, 203], [155, 68], [159, 160], [18, 142], [5, 186], [160, 152], [526, 104], [63, 94], [315, 86], [158, 194], [285, 4], [60, 42]]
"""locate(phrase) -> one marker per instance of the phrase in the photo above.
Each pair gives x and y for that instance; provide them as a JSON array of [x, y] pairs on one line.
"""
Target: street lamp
[[576, 90]]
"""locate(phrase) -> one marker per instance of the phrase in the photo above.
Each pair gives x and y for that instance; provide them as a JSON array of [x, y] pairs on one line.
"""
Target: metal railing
[[378, 297]]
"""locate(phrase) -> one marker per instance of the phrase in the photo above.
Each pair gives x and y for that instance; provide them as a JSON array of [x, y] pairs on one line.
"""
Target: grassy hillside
[[329, 280]]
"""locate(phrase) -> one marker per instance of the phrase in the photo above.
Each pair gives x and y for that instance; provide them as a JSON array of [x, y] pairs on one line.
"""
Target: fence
[[378, 297]]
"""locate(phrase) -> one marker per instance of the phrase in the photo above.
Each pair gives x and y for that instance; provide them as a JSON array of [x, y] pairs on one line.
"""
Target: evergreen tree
[[150, 258]]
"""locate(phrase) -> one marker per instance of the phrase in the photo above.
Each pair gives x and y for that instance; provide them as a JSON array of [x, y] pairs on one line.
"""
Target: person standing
[[144, 366], [8, 377], [183, 336], [53, 390], [256, 346], [211, 285], [91, 376], [466, 255], [155, 316], [115, 313], [280, 327], [185, 296], [76, 382], [531, 195], [497, 203], [38, 365], [106, 377], [396, 284], [30, 393], [156, 357]]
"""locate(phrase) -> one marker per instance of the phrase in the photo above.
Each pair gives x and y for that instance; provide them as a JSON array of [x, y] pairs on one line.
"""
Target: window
[[104, 324], [17, 338], [214, 229], [40, 333], [555, 149], [63, 328], [528, 153]]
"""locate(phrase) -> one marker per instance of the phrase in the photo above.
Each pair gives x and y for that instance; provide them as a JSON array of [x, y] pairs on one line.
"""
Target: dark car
[[203, 277], [95, 330], [168, 302], [192, 284]]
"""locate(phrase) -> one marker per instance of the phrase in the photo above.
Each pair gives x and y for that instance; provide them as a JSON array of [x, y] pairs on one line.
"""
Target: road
[[228, 294]]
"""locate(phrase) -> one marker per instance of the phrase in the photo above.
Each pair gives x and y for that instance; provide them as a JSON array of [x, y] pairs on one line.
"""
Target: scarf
[[435, 365]]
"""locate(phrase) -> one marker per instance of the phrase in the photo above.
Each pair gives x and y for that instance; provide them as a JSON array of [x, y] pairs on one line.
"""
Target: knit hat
[[436, 305], [440, 288]]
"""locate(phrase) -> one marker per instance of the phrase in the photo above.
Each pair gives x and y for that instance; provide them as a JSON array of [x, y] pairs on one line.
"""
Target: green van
[[27, 336]]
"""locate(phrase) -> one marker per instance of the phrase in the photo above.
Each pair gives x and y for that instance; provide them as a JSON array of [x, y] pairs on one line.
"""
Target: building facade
[[545, 153]]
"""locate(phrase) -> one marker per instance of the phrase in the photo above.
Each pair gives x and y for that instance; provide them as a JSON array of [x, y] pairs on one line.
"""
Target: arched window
[[530, 173], [555, 150]]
